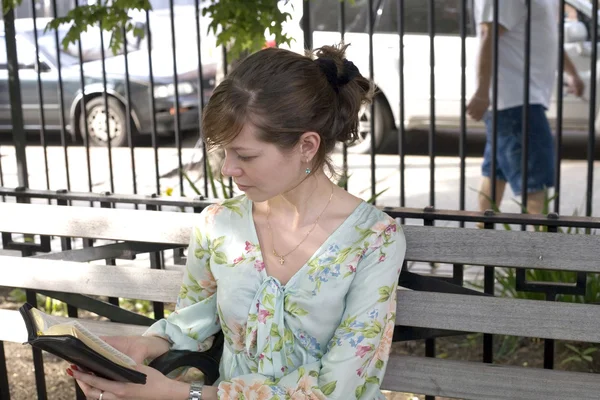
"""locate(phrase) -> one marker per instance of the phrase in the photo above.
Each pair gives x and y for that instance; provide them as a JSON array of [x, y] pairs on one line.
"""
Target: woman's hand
[[139, 348], [157, 386]]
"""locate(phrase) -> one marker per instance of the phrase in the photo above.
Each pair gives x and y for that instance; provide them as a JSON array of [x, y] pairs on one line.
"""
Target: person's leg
[[485, 193], [535, 202], [540, 158], [485, 189]]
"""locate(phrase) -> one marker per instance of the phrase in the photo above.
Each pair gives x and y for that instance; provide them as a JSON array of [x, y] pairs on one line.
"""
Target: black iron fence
[[410, 48], [421, 54]]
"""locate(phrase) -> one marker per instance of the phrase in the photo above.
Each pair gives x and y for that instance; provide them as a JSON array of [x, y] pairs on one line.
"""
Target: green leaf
[[373, 380], [385, 292], [300, 312], [274, 331], [200, 253], [301, 372], [219, 257], [379, 364], [570, 360], [328, 388], [572, 348], [288, 335], [315, 374], [218, 242], [269, 300], [198, 236], [278, 345], [360, 391]]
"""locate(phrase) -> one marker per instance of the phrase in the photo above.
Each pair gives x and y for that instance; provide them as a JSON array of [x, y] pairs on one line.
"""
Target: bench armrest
[[206, 361]]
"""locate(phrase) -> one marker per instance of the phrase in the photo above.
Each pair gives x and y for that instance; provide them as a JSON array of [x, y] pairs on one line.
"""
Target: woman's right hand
[[139, 348]]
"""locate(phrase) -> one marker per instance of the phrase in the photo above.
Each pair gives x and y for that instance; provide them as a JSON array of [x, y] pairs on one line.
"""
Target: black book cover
[[75, 351]]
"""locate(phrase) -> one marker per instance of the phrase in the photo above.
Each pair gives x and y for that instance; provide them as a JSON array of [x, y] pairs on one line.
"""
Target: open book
[[76, 344]]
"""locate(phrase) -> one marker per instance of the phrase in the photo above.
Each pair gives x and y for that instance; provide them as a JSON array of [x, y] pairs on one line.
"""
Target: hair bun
[[330, 69]]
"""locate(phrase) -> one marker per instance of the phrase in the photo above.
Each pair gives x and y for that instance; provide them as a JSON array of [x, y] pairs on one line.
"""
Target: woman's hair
[[284, 94]]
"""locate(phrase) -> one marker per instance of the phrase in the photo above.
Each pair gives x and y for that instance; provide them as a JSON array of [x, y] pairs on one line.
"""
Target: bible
[[76, 344]]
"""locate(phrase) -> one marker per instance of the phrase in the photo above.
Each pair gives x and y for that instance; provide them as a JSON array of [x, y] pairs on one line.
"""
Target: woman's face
[[261, 169]]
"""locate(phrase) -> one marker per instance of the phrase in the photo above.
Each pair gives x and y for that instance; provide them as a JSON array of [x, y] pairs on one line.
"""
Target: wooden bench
[[458, 309]]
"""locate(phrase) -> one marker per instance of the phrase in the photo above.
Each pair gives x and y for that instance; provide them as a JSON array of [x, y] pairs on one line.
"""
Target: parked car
[[324, 22], [70, 113]]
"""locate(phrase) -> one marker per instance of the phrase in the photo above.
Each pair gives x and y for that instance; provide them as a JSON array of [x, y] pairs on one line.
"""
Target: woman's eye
[[247, 158]]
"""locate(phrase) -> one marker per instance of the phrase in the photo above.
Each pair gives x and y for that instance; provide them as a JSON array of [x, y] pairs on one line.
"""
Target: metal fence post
[[14, 88]]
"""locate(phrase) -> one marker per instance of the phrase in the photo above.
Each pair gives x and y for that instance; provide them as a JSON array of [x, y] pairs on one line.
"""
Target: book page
[[43, 321], [48, 325], [91, 340]]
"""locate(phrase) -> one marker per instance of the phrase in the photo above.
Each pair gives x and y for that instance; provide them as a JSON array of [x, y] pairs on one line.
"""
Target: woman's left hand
[[157, 386]]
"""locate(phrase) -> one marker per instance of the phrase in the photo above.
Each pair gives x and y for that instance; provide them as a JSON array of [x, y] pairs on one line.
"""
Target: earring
[[307, 170]]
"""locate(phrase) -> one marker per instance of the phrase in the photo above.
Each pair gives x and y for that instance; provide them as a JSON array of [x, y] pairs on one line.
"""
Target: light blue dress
[[326, 334]]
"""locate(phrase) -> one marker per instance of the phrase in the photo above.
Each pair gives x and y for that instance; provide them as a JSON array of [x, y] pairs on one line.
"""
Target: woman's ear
[[309, 145]]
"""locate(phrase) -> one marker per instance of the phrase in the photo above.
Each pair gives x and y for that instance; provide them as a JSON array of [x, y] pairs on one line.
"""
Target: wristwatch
[[196, 391]]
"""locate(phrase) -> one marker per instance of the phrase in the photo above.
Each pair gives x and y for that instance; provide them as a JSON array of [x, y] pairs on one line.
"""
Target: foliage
[[240, 25], [582, 356], [59, 308]]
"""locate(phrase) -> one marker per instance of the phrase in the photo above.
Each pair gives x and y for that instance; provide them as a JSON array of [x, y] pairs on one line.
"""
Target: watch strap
[[196, 390]]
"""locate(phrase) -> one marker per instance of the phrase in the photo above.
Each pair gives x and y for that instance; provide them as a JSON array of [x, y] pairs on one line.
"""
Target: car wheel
[[383, 125], [96, 123]]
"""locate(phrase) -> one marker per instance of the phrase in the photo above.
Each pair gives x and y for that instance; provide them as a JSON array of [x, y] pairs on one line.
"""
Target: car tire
[[96, 123], [384, 123]]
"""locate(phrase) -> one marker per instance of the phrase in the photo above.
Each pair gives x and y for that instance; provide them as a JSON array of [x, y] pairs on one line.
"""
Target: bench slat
[[97, 223], [475, 380], [100, 280], [420, 309], [507, 316], [13, 328], [503, 248], [427, 244]]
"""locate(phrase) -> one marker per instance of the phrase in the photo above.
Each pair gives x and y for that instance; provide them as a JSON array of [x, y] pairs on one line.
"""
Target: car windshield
[[90, 46], [47, 45]]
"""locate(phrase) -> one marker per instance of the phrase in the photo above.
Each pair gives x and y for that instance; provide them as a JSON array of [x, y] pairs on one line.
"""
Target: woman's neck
[[302, 204]]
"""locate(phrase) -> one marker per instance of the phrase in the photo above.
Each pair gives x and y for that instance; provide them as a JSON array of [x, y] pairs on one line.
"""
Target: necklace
[[283, 256]]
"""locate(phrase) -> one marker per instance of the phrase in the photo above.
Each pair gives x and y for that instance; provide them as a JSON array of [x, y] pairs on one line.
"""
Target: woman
[[300, 275]]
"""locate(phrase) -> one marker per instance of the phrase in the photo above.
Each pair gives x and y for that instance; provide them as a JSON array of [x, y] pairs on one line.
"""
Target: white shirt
[[511, 49]]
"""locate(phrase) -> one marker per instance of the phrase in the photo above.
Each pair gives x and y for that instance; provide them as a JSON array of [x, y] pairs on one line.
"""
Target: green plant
[[45, 303], [580, 355]]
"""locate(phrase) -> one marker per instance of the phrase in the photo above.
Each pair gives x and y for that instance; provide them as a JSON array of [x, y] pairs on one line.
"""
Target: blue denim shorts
[[509, 149]]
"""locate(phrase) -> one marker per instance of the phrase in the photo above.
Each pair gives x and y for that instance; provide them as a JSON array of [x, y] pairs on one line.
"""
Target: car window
[[446, 14], [325, 16], [25, 54]]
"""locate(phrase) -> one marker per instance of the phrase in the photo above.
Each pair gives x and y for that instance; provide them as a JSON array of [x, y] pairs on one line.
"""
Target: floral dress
[[326, 334]]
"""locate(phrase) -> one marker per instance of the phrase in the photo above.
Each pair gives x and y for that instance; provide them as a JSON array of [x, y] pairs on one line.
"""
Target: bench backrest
[[460, 312]]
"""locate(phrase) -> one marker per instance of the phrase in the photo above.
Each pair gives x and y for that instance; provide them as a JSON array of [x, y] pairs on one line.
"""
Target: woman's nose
[[229, 168]]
